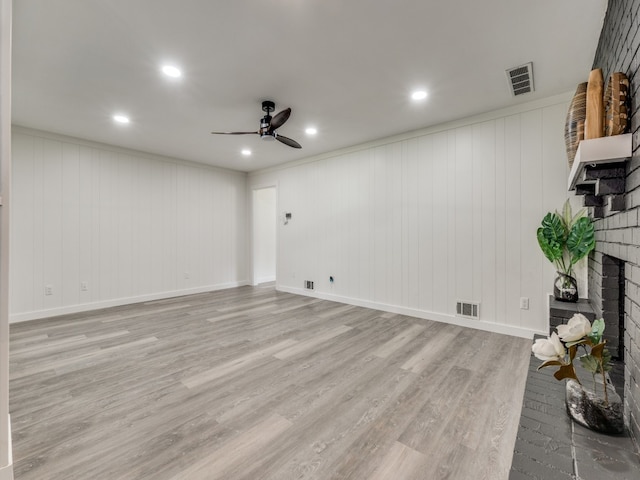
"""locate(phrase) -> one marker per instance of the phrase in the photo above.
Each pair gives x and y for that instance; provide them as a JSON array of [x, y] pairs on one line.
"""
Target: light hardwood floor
[[250, 383]]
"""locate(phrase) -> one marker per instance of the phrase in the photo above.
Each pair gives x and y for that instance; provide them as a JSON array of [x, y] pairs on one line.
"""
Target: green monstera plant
[[565, 239]]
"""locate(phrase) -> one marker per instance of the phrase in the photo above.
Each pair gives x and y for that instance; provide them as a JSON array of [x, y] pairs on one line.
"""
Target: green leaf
[[606, 358], [580, 214], [551, 237], [590, 363], [597, 329], [566, 215], [581, 239]]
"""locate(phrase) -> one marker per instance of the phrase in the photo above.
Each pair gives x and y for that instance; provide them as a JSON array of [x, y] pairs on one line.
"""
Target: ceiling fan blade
[[288, 141], [279, 119], [234, 133]]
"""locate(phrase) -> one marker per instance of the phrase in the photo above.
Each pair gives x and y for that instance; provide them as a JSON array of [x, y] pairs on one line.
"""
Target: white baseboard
[[412, 312], [271, 278], [439, 317], [85, 307], [6, 471]]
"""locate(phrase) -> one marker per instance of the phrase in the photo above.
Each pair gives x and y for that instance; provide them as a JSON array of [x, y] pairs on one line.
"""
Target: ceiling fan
[[269, 125]]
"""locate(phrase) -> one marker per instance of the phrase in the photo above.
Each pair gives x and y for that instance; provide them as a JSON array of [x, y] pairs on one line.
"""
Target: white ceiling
[[347, 67]]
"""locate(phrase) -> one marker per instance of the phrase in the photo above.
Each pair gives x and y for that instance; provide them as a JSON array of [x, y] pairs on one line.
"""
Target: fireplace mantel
[[598, 151]]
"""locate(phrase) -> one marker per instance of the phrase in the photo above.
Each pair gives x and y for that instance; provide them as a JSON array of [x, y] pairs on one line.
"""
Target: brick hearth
[[550, 446]]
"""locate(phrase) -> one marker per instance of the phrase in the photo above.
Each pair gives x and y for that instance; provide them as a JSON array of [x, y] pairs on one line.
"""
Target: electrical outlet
[[48, 289], [186, 275], [84, 286], [524, 303]]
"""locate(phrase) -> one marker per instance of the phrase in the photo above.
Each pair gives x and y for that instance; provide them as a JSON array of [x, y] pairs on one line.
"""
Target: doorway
[[264, 235]]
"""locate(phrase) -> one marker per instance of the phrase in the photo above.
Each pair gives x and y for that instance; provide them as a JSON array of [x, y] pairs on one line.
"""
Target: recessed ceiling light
[[246, 152], [171, 71], [419, 95], [121, 118], [311, 131]]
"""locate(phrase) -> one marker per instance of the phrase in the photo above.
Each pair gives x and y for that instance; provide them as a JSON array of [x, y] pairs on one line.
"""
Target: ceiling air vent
[[521, 79]]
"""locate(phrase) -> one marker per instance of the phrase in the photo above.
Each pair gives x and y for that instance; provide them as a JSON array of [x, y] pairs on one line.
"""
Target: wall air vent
[[308, 285], [521, 79], [468, 309]]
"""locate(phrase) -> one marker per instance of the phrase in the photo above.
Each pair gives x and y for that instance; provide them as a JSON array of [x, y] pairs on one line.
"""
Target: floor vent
[[521, 79], [308, 284], [468, 309]]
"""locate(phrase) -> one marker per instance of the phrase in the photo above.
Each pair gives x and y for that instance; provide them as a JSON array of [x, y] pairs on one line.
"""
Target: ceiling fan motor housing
[[265, 122], [265, 125]]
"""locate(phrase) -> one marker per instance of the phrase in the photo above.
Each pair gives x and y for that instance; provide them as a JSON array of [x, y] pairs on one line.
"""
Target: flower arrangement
[[561, 348]]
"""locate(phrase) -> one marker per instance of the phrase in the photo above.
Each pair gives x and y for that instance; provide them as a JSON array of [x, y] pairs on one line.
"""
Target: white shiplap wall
[[130, 225], [414, 223]]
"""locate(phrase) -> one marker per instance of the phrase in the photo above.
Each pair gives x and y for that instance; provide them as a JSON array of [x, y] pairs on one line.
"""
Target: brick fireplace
[[607, 296], [614, 266]]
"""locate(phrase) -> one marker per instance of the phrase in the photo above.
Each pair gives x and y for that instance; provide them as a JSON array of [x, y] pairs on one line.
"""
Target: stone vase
[[589, 408]]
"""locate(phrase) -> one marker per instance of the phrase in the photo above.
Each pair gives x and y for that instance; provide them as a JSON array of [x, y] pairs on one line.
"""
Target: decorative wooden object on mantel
[[574, 123], [598, 173], [616, 98], [594, 123]]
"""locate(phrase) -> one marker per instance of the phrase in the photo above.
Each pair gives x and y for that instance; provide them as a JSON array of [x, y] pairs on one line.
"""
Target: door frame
[[254, 242]]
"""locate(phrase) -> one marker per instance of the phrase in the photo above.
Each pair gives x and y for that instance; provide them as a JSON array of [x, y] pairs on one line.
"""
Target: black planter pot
[[565, 288]]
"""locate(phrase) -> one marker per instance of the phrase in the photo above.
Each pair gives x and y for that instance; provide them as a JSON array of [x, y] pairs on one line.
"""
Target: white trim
[[252, 225], [9, 441], [438, 317], [6, 16], [6, 472], [563, 98], [125, 151], [265, 279], [86, 307]]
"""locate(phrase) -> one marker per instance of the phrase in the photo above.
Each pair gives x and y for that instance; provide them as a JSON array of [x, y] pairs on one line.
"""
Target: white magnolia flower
[[577, 328], [549, 348]]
